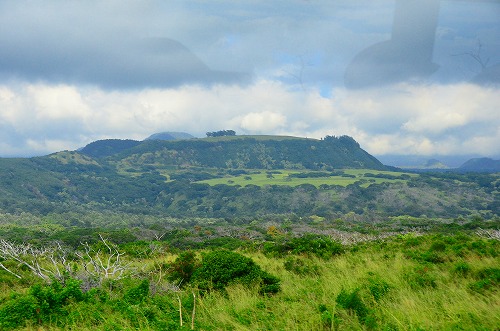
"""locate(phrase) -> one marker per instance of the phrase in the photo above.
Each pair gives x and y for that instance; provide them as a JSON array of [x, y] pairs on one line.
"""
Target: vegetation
[[221, 133], [244, 233], [411, 281]]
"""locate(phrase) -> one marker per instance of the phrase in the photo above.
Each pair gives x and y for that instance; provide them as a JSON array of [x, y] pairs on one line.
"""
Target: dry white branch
[[46, 263], [103, 265], [489, 234]]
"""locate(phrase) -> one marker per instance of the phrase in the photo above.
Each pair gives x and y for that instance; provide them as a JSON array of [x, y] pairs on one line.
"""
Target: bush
[[51, 298], [438, 246], [43, 303], [487, 278], [221, 268], [14, 313], [421, 277], [352, 301], [319, 245], [300, 266], [378, 287], [183, 267], [138, 294], [461, 268]]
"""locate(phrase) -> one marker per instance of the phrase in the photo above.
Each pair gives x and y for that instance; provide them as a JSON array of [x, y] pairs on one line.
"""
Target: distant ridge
[[170, 136], [483, 164], [107, 147], [252, 152]]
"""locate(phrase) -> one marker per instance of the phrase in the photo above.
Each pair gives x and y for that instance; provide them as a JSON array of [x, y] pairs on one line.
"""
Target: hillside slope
[[481, 165], [252, 152], [297, 176]]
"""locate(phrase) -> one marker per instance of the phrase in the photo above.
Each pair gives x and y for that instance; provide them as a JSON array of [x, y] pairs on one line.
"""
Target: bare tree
[[46, 263], [101, 265], [53, 262], [489, 234]]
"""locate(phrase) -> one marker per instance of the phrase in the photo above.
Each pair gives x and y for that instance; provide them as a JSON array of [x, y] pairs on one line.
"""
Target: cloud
[[73, 72], [406, 119], [262, 122]]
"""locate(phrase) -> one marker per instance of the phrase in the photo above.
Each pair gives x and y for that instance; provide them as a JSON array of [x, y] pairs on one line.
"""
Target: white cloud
[[262, 122], [404, 119]]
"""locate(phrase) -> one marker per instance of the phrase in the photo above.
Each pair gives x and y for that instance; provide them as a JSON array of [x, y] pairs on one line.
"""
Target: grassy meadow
[[404, 282], [285, 177]]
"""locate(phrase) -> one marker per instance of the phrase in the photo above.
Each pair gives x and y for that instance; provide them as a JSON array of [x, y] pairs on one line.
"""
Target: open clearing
[[286, 177]]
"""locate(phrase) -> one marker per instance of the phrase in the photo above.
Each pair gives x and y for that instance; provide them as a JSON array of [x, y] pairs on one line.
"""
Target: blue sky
[[76, 71]]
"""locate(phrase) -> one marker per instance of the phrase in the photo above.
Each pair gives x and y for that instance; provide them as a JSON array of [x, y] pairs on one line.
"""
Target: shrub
[[352, 301], [183, 267], [138, 294], [461, 268], [326, 316], [421, 277], [378, 287], [300, 266], [15, 312], [42, 303], [51, 298], [319, 245], [438, 246], [487, 278], [221, 268]]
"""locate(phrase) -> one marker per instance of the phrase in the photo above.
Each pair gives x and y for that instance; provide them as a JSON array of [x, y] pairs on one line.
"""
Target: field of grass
[[281, 177], [407, 282]]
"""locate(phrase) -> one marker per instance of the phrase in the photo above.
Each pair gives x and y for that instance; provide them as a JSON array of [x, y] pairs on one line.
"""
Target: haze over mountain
[[481, 165], [170, 136], [427, 161]]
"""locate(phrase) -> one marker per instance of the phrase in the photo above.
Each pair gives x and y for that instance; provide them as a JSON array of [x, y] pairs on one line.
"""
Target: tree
[[221, 133]]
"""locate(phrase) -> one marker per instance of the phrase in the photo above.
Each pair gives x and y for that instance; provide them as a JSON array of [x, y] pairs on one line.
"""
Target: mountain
[[170, 136], [250, 152], [235, 177], [435, 164], [424, 161], [481, 165], [107, 147]]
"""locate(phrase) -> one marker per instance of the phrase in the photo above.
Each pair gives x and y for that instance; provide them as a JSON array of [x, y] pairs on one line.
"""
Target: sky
[[410, 77]]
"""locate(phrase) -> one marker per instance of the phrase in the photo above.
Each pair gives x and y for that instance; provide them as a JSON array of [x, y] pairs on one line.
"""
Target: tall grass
[[372, 286]]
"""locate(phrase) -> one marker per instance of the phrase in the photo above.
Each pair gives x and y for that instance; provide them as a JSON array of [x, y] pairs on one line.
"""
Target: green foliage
[[421, 277], [373, 286], [183, 267], [378, 287], [42, 303], [221, 133], [461, 268], [138, 294], [15, 312], [487, 278], [326, 316], [221, 268], [51, 298], [300, 266], [351, 300], [319, 245]]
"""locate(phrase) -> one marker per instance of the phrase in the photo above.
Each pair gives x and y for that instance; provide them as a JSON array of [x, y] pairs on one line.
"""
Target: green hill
[[252, 152], [481, 165], [107, 147], [234, 177], [170, 136]]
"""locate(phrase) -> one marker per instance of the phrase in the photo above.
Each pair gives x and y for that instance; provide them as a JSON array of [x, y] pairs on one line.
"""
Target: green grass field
[[407, 282], [264, 177]]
